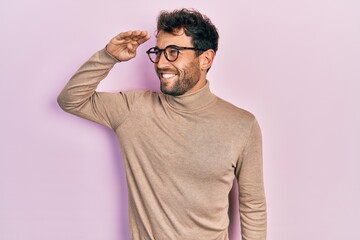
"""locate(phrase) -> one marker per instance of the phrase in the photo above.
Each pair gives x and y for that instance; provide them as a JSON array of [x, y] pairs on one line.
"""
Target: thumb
[[131, 48]]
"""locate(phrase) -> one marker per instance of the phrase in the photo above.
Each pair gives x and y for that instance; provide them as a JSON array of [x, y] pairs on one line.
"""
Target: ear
[[206, 59]]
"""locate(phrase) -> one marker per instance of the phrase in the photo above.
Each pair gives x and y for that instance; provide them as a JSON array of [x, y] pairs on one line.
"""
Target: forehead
[[178, 38]]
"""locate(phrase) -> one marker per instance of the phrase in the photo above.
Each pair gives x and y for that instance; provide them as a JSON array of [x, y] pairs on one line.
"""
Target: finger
[[123, 40], [124, 35], [134, 34], [144, 38], [136, 37], [140, 36]]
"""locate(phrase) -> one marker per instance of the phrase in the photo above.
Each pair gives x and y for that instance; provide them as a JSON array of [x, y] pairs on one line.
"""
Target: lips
[[167, 75]]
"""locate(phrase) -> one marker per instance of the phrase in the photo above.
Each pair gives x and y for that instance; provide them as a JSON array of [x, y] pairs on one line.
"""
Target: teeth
[[168, 75]]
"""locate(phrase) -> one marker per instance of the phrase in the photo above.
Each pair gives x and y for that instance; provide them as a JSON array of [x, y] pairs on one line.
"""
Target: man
[[183, 147]]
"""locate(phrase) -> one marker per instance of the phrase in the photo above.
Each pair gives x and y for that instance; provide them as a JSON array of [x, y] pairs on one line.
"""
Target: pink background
[[294, 64]]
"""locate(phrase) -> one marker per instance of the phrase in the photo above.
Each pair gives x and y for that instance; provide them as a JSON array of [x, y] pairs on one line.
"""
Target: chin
[[171, 91]]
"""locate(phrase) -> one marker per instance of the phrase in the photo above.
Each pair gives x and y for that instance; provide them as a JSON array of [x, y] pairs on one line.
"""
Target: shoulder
[[142, 100], [235, 122], [140, 95], [233, 112]]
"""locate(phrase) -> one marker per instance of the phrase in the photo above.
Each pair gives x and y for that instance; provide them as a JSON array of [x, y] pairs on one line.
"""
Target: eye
[[172, 52], [156, 51]]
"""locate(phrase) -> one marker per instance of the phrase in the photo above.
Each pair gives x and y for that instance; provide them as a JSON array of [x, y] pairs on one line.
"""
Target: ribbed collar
[[193, 101]]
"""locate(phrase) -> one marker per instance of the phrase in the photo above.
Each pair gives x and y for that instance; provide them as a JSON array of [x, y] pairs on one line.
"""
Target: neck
[[199, 85], [192, 101]]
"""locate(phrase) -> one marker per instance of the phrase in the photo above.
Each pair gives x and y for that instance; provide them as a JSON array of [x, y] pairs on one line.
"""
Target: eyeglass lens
[[171, 54]]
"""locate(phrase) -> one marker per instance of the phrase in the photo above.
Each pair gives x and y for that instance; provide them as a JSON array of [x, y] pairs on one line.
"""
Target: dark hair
[[196, 25]]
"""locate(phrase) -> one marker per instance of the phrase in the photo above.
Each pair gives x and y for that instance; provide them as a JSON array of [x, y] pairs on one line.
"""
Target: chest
[[195, 144]]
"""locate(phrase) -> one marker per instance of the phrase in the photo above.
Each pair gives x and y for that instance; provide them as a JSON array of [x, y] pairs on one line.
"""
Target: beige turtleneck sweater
[[181, 156]]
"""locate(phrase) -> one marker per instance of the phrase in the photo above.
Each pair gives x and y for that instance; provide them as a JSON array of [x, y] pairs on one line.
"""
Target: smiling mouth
[[167, 75]]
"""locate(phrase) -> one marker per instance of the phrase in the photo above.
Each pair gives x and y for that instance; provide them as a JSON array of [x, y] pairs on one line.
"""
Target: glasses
[[171, 52]]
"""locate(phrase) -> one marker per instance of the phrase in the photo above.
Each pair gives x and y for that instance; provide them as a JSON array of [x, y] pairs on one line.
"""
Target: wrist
[[108, 53]]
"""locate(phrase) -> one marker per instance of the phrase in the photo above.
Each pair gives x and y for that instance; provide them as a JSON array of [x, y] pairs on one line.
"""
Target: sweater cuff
[[111, 56]]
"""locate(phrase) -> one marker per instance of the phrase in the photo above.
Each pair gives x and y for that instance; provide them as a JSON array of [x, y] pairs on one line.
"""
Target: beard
[[187, 80]]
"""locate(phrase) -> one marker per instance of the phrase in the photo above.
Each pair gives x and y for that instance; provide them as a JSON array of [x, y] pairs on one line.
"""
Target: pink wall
[[294, 64]]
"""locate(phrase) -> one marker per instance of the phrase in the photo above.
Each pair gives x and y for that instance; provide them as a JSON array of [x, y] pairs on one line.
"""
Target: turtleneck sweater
[[181, 154]]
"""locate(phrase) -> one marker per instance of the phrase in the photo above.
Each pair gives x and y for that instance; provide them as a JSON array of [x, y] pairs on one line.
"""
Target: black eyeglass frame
[[159, 51]]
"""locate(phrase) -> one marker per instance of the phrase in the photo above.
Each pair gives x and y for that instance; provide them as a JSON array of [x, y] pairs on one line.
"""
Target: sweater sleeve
[[79, 96], [249, 174]]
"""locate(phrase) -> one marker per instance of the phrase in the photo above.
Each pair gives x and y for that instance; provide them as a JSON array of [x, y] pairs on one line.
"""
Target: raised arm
[[79, 96]]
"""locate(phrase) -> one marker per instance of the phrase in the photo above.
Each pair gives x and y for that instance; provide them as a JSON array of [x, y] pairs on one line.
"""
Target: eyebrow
[[172, 45]]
